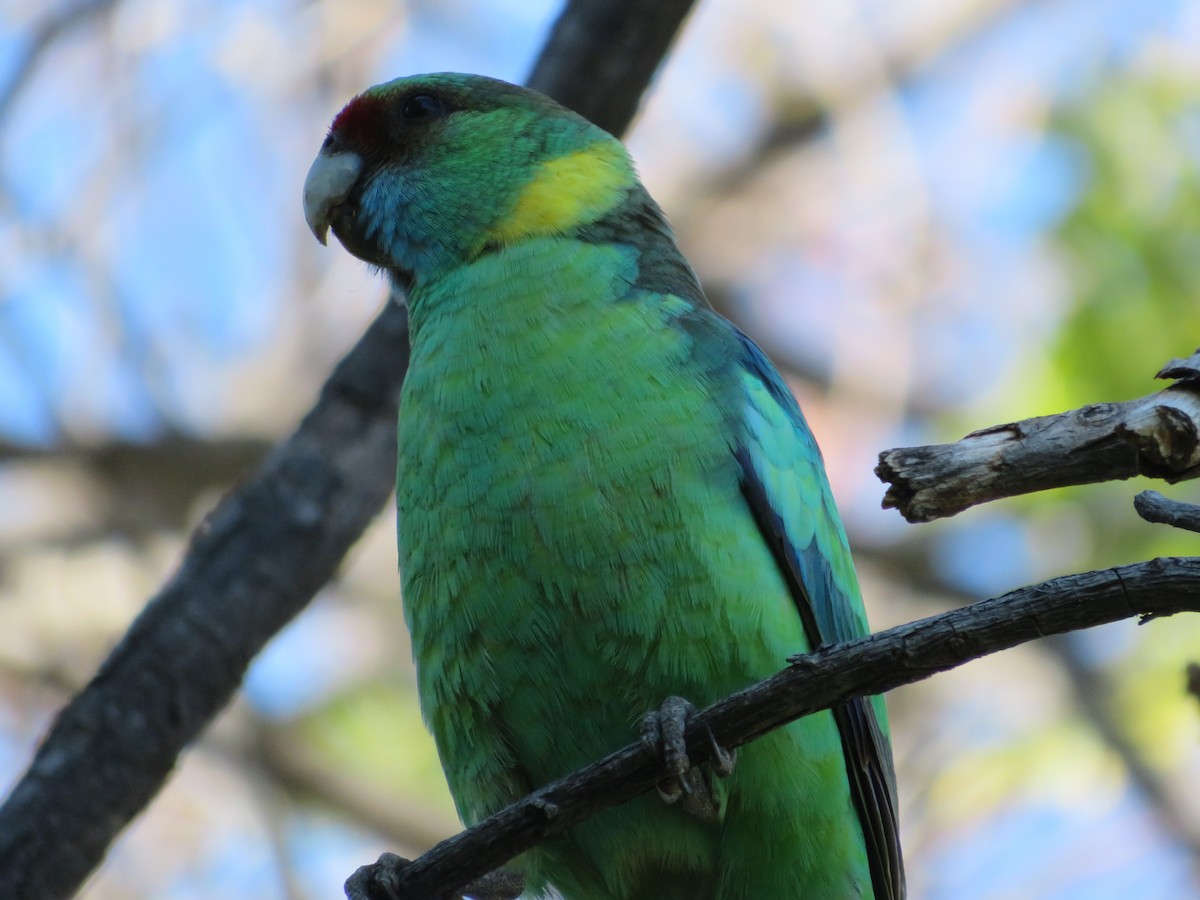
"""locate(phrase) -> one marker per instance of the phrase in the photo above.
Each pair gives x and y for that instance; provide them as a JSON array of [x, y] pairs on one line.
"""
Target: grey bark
[[1157, 435]]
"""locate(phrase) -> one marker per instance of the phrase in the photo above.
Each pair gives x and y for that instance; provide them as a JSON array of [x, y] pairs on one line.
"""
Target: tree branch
[[1157, 435], [258, 559], [601, 54], [1154, 507], [816, 681], [250, 567]]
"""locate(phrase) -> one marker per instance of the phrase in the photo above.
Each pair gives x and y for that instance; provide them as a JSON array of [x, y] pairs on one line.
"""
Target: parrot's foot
[[662, 734]]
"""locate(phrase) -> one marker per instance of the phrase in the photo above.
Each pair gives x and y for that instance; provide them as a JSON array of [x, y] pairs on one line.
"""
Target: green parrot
[[606, 497]]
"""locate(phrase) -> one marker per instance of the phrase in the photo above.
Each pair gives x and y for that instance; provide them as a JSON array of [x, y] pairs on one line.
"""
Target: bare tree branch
[[601, 55], [1157, 435], [910, 563], [816, 681], [254, 564], [1154, 507], [250, 567]]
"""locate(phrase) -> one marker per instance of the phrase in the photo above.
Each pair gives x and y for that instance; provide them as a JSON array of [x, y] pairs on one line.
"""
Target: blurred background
[[935, 215]]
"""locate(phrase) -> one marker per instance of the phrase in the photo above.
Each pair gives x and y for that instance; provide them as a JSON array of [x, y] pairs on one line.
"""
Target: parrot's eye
[[422, 106]]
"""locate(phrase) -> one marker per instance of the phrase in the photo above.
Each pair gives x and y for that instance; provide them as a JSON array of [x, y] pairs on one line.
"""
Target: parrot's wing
[[783, 480]]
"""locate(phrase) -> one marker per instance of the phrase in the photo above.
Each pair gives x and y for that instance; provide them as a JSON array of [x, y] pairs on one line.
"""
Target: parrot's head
[[426, 173]]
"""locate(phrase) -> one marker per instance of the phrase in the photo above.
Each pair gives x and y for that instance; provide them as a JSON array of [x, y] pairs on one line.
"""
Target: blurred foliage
[[1129, 251], [377, 732], [1132, 244]]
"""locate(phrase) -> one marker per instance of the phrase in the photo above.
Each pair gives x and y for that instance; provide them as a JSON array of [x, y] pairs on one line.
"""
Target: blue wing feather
[[783, 480], [780, 453]]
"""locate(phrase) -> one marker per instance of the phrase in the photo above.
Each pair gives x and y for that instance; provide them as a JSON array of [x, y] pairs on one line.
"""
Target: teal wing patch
[[783, 481]]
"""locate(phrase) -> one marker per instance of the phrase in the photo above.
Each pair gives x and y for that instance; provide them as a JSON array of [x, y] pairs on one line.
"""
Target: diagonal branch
[[250, 567], [602, 54], [1157, 435], [813, 682], [258, 559]]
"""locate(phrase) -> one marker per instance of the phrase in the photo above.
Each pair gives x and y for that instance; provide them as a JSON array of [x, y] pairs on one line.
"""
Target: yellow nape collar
[[565, 192]]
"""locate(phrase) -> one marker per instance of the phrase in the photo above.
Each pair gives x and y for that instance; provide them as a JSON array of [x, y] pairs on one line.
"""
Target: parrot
[[606, 497]]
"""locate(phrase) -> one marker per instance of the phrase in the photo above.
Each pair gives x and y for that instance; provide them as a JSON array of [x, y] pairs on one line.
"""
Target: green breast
[[550, 463], [574, 547]]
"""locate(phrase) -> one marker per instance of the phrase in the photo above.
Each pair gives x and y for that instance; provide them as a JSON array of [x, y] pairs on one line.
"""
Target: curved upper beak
[[330, 179]]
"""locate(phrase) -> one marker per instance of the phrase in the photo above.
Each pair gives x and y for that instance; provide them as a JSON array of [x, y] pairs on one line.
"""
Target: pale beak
[[329, 182]]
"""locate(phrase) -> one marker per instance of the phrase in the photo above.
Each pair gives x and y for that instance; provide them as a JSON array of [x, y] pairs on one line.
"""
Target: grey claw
[[723, 760]]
